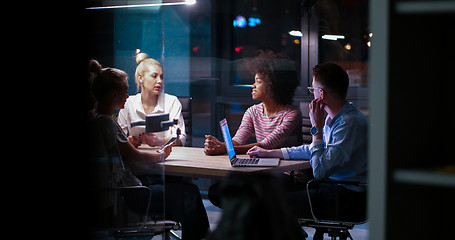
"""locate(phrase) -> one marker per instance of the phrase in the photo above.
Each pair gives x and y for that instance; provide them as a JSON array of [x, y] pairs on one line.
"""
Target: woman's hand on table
[[213, 146]]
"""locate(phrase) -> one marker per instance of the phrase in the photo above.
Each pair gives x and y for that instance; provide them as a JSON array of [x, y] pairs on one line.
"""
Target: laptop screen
[[227, 138]]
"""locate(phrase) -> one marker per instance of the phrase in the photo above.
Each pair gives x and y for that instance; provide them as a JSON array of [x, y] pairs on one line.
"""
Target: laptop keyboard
[[247, 161]]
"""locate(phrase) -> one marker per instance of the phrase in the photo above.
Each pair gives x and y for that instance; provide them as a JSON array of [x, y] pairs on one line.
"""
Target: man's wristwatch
[[314, 130]]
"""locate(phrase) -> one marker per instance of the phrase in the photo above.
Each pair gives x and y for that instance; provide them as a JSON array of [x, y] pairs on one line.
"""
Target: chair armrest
[[354, 183]]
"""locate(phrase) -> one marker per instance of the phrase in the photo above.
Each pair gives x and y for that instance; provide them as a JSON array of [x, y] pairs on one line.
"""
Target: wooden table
[[192, 162]]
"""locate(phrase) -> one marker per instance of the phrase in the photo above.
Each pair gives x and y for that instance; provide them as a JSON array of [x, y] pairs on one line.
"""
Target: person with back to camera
[[255, 208], [111, 156], [338, 150], [149, 78], [276, 122]]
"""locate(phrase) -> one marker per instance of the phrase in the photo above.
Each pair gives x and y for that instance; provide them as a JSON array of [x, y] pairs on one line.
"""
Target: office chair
[[337, 227], [306, 123], [188, 118], [125, 225]]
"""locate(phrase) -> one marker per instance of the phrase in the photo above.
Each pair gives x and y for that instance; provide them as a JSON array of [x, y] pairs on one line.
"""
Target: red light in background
[[238, 49], [195, 49]]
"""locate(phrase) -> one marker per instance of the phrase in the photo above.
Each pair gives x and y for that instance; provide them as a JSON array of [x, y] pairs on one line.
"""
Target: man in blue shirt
[[338, 150]]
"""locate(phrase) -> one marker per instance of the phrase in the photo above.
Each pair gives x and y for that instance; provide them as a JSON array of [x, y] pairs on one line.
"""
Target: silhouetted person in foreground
[[254, 207]]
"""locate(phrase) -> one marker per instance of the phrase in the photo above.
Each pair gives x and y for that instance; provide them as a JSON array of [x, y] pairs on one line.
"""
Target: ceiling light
[[150, 4], [332, 37], [295, 33]]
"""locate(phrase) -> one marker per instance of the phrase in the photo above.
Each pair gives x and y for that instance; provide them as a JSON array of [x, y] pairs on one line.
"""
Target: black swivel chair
[[335, 228], [306, 123], [124, 223], [187, 117]]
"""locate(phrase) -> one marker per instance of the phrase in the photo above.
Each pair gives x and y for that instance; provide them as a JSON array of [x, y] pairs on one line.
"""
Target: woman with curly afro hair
[[275, 121]]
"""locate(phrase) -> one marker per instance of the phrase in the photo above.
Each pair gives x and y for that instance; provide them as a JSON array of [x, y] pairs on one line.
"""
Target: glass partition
[[242, 29], [130, 201], [306, 32], [203, 46], [208, 42], [344, 37]]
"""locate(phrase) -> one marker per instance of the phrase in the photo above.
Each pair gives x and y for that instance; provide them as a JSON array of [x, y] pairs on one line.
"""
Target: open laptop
[[244, 162]]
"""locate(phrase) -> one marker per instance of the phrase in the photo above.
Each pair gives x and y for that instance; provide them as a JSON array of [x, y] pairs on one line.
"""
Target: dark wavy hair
[[279, 71]]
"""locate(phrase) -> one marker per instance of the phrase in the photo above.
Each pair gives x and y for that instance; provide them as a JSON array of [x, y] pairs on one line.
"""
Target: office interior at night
[[398, 56]]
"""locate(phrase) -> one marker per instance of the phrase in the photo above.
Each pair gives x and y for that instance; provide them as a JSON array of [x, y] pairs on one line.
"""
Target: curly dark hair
[[279, 71]]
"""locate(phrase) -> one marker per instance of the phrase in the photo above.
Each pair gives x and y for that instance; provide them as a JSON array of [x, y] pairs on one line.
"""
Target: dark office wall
[[421, 89], [99, 39], [420, 135]]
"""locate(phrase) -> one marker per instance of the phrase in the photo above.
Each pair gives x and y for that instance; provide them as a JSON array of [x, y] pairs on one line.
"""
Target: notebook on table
[[243, 162]]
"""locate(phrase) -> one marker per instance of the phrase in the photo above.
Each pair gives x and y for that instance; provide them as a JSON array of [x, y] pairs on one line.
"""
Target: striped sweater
[[284, 129]]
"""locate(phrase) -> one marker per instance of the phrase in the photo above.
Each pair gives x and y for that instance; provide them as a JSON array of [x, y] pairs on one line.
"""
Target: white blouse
[[134, 111]]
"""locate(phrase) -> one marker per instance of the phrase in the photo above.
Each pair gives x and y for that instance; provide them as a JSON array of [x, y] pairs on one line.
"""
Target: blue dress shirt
[[342, 153]]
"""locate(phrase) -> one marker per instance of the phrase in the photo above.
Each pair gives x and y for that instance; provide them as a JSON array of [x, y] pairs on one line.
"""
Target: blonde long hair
[[143, 61]]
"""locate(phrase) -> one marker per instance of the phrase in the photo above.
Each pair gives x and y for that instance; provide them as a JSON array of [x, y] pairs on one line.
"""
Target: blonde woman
[[152, 99]]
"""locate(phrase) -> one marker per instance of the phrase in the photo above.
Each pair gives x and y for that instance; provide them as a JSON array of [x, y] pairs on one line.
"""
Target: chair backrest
[[306, 123], [188, 118]]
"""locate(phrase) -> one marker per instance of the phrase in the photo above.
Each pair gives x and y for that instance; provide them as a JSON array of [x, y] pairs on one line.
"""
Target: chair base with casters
[[338, 228], [333, 229], [149, 229]]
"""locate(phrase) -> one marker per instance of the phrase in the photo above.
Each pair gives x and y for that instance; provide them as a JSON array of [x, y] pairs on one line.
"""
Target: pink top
[[281, 130]]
